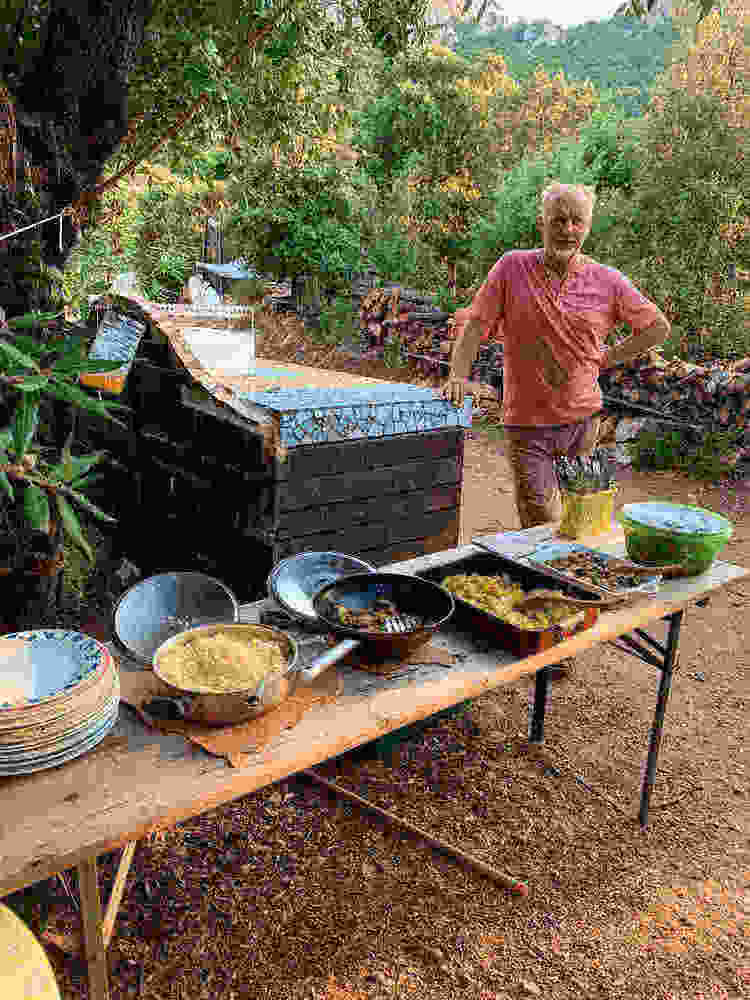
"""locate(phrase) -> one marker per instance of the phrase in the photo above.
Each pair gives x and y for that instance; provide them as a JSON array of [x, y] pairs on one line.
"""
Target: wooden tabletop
[[140, 780]]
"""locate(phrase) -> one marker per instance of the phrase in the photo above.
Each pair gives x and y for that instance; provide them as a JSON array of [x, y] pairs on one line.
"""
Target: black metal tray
[[522, 642]]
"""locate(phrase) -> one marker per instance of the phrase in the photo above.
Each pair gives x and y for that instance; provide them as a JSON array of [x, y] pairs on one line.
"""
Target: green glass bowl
[[659, 533]]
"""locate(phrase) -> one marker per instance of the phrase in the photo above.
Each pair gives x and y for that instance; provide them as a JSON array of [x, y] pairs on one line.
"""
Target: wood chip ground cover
[[290, 894]]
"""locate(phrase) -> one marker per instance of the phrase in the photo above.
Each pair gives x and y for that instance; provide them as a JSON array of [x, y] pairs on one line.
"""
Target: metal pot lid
[[295, 581], [160, 606]]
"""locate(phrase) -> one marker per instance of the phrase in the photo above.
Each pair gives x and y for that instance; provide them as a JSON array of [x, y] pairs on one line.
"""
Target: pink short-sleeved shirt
[[554, 332]]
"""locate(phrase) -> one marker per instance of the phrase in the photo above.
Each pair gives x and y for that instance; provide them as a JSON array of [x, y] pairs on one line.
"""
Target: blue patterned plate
[[59, 661]]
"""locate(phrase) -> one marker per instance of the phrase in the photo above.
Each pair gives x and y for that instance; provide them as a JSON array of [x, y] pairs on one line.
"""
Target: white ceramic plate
[[58, 660], [54, 760]]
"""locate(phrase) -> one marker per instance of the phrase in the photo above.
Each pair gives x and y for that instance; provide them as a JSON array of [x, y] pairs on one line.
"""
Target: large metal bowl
[[160, 606], [294, 582], [227, 707]]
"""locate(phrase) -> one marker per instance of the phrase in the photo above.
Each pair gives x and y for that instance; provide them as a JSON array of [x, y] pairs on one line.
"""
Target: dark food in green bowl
[[658, 533]]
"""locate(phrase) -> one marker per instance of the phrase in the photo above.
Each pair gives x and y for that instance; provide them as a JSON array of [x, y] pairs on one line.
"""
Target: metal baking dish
[[544, 554], [522, 642]]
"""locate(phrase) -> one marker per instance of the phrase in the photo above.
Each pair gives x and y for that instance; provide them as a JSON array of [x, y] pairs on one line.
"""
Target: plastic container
[[587, 513], [658, 533]]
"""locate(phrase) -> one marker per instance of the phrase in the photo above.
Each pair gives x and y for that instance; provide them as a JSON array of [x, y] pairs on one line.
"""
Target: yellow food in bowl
[[221, 662], [499, 595]]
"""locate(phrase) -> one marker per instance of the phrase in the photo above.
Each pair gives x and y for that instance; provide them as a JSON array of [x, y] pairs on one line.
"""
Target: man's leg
[[531, 454]]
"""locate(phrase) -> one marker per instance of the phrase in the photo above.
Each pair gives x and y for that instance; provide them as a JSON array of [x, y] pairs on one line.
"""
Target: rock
[[530, 988], [699, 675]]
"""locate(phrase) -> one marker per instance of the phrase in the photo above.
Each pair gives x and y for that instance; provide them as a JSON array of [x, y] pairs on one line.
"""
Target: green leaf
[[72, 526], [6, 438], [72, 394], [32, 384], [92, 508], [36, 508], [13, 355], [34, 348], [32, 319], [96, 365], [85, 481], [67, 465], [5, 483], [25, 421], [83, 463]]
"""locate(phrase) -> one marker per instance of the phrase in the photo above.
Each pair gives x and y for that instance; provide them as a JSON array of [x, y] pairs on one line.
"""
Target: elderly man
[[554, 307]]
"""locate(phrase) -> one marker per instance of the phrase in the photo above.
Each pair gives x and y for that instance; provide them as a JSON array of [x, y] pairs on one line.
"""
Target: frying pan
[[421, 608]]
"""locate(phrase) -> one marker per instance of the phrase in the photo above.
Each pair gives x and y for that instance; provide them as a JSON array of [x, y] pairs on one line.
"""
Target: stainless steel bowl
[[294, 582], [228, 707], [160, 606]]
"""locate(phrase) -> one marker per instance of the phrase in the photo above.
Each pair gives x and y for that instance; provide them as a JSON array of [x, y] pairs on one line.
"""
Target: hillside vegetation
[[621, 56]]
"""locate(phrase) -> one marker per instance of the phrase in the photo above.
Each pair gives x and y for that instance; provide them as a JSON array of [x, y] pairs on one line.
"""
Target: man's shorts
[[531, 452]]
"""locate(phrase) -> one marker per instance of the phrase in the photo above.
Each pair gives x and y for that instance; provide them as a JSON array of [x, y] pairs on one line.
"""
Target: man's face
[[565, 225]]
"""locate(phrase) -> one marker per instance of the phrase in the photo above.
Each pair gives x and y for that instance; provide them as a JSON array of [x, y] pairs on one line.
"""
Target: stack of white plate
[[59, 697]]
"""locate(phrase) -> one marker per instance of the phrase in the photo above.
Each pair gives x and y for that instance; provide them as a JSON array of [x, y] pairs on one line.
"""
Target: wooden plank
[[414, 476], [91, 911], [137, 781], [353, 540], [115, 897], [310, 461], [438, 524], [310, 520]]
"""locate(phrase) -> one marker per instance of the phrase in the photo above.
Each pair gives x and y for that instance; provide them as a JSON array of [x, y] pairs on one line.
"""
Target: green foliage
[[32, 476], [393, 254], [610, 150], [422, 119], [394, 352], [446, 301], [296, 220], [511, 223], [709, 459], [248, 290], [621, 56], [168, 240], [690, 193], [339, 323]]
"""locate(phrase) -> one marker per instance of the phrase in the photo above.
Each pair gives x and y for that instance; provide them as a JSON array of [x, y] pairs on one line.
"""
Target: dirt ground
[[291, 895]]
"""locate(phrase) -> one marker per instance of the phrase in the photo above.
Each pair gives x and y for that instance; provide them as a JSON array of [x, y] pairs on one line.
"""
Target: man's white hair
[[555, 189]]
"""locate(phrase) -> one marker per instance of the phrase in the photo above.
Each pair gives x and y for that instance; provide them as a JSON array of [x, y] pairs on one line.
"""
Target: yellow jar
[[587, 513]]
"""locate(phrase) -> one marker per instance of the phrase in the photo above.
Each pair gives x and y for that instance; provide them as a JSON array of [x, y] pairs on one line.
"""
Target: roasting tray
[[543, 555], [521, 642]]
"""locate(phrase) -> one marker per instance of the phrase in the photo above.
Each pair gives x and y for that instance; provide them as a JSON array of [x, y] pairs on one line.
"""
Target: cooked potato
[[499, 595]]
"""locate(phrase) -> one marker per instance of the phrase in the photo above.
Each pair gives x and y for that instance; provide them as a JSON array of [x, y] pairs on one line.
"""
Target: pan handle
[[327, 659]]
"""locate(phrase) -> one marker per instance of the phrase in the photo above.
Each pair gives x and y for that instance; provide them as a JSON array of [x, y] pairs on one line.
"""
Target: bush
[[687, 222], [296, 221], [511, 224], [338, 322], [168, 241]]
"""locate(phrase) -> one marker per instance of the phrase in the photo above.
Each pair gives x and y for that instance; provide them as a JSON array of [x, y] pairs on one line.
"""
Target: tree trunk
[[69, 94]]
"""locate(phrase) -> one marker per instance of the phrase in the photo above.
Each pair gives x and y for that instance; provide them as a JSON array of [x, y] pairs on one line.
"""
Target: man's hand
[[454, 390]]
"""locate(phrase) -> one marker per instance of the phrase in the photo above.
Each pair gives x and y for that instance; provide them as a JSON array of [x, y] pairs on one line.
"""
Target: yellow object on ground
[[587, 513], [25, 971]]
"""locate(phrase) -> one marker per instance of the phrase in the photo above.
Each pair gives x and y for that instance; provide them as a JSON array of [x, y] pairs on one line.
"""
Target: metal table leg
[[665, 662], [536, 722], [665, 686]]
